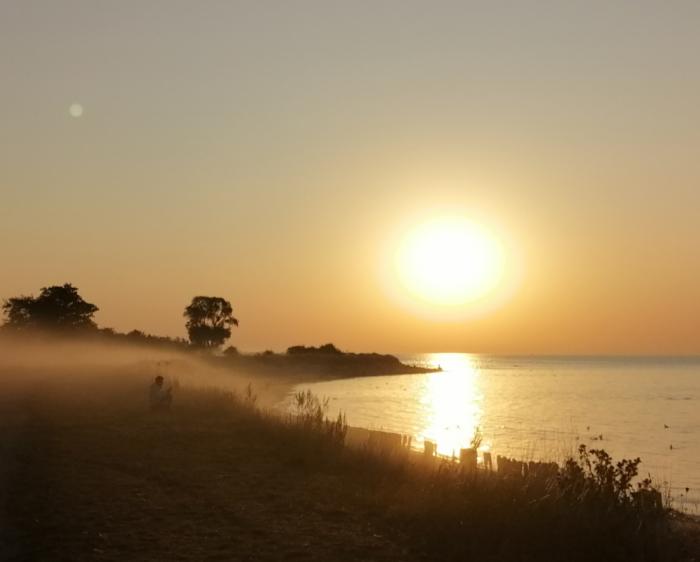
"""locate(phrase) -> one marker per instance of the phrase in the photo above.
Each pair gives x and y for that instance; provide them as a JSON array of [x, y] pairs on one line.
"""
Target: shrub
[[310, 415]]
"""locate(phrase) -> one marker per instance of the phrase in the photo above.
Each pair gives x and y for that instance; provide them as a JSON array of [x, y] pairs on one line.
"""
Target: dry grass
[[95, 476]]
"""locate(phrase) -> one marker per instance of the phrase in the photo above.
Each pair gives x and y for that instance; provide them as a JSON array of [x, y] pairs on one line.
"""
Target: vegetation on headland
[[325, 361], [60, 311], [220, 479]]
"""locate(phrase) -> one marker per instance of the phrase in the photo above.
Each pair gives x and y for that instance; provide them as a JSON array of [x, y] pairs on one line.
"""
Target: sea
[[540, 408]]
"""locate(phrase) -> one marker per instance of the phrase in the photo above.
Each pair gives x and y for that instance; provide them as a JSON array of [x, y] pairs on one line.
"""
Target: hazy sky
[[272, 153]]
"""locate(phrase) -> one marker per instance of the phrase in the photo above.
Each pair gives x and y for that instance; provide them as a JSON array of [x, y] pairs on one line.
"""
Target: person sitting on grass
[[159, 397]]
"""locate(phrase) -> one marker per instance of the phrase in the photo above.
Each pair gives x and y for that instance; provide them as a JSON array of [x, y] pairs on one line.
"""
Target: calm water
[[541, 408]]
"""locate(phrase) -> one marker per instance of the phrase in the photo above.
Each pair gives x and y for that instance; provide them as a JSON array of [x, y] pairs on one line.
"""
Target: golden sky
[[274, 152]]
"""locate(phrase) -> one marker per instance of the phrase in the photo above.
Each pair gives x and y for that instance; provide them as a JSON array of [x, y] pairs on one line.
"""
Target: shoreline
[[104, 479]]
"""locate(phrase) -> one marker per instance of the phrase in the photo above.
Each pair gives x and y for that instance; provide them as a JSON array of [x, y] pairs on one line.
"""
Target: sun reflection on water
[[452, 402]]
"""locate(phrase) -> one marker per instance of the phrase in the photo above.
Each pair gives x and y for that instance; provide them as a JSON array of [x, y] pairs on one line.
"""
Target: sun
[[449, 262]]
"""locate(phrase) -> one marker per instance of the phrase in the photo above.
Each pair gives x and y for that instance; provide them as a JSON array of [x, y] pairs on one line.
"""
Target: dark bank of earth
[[89, 474], [321, 362], [90, 482]]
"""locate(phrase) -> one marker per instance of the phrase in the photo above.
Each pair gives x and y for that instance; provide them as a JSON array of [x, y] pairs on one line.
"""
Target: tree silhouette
[[58, 307], [209, 321]]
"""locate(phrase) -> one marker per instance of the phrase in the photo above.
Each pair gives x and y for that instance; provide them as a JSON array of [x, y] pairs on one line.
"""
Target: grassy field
[[89, 474], [212, 481]]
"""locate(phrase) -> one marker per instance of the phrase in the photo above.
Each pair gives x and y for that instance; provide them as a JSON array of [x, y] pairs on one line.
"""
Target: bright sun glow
[[450, 262], [452, 399]]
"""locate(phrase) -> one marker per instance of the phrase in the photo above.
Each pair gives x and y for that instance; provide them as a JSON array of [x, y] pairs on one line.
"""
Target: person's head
[[159, 380]]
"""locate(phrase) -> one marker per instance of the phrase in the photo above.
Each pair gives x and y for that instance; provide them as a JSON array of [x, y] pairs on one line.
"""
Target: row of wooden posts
[[504, 465], [388, 441]]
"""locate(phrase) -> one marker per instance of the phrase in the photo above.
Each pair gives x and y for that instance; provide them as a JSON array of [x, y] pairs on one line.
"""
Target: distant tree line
[[61, 309], [327, 349], [58, 308]]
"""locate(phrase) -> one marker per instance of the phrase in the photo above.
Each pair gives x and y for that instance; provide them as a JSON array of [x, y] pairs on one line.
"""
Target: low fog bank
[[75, 368]]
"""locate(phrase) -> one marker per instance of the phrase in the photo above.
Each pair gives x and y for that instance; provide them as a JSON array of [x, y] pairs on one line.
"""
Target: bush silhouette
[[58, 307], [209, 321]]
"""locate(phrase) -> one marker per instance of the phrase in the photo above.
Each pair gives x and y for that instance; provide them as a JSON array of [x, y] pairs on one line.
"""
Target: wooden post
[[467, 458]]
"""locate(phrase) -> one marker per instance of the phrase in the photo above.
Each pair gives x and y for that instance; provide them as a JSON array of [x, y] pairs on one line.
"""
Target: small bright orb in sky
[[75, 110], [449, 262]]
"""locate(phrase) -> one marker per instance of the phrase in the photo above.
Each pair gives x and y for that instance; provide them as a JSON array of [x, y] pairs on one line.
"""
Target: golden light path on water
[[537, 408], [444, 407], [452, 403]]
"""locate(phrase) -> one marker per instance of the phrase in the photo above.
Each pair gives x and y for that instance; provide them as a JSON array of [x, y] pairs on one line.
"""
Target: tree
[[58, 307], [209, 321], [231, 351]]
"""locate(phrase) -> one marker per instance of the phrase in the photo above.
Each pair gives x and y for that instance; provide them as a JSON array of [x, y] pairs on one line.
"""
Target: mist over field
[[117, 375]]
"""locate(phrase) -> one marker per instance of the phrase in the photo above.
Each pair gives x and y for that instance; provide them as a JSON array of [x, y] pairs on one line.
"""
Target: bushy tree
[[209, 321], [231, 351], [58, 307], [326, 349]]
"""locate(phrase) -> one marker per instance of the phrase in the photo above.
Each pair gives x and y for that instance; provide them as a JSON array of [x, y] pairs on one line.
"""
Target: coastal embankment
[[90, 474]]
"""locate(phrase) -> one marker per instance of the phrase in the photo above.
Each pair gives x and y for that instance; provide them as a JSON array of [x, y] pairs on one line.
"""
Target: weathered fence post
[[488, 461], [467, 458]]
